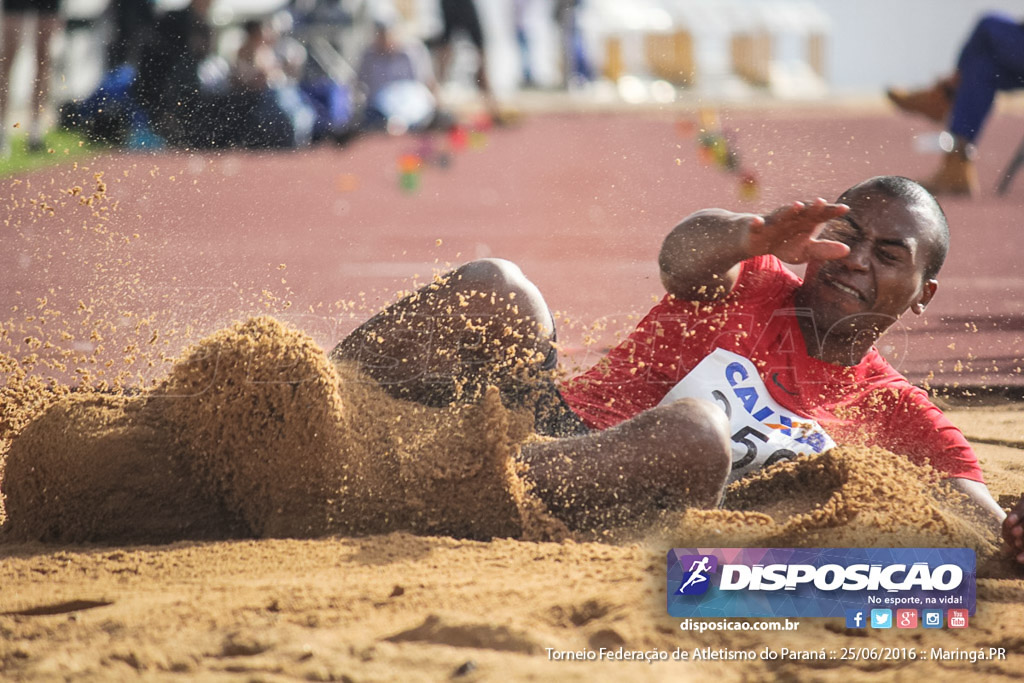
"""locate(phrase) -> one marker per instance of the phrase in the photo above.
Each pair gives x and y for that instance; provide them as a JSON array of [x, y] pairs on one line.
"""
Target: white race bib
[[763, 432]]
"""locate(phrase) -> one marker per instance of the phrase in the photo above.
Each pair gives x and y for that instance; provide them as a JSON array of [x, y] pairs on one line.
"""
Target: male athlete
[[740, 364]]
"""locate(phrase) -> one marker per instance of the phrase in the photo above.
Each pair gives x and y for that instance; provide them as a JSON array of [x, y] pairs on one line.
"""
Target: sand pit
[[254, 433], [846, 497]]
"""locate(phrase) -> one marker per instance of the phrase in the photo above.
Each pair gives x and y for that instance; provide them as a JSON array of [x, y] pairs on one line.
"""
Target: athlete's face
[[890, 243]]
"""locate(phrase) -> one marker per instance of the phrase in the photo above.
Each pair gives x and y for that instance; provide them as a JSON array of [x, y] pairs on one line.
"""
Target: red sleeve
[[624, 383], [919, 430]]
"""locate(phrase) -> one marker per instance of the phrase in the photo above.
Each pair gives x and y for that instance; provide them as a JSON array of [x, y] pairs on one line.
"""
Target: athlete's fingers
[[784, 213], [820, 211], [815, 205], [806, 215], [826, 250]]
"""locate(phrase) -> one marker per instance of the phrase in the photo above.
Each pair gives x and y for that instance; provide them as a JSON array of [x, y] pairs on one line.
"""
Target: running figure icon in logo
[[696, 579]]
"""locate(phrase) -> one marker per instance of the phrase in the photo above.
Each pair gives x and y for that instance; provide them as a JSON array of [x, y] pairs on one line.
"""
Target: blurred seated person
[[397, 79], [186, 95], [168, 87], [269, 107], [992, 59]]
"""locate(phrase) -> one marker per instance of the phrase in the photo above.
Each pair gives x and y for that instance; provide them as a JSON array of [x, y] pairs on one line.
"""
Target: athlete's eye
[[840, 232], [890, 255]]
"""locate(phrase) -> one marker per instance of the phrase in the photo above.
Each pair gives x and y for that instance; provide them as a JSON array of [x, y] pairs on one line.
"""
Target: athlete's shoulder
[[876, 372], [764, 278], [875, 368]]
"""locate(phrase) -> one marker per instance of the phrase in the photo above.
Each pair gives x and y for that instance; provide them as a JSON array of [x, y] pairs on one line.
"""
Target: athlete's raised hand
[[791, 232]]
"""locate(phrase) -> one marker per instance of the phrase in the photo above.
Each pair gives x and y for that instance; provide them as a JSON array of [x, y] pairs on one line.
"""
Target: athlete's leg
[[482, 323], [676, 455]]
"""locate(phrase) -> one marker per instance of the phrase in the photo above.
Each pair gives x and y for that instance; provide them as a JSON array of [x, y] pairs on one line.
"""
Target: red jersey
[[868, 403]]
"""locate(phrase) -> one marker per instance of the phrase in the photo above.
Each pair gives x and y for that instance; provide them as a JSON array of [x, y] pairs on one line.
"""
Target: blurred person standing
[[460, 17], [522, 8], [17, 19], [576, 68], [132, 22]]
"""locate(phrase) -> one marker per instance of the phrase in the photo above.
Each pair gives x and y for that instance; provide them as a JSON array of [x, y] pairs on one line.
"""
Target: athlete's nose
[[859, 256]]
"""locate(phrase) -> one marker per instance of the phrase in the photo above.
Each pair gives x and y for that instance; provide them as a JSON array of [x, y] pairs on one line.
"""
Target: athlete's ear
[[928, 289]]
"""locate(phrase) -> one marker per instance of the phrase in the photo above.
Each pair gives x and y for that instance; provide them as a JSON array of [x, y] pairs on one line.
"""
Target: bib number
[[763, 432]]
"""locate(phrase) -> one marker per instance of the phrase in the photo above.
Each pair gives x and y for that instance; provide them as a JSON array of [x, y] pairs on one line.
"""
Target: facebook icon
[[855, 618]]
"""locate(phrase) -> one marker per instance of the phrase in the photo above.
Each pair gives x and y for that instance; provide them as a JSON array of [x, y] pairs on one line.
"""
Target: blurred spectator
[[576, 68], [992, 59], [186, 95], [132, 25], [397, 79], [171, 96], [17, 16], [522, 8], [257, 65], [270, 108], [460, 16], [330, 99], [168, 87]]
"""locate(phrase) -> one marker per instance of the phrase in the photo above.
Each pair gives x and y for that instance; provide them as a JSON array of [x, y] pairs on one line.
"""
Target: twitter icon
[[881, 618]]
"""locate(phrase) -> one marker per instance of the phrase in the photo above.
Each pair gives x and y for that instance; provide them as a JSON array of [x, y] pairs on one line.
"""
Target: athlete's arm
[[1011, 525], [978, 494], [700, 259]]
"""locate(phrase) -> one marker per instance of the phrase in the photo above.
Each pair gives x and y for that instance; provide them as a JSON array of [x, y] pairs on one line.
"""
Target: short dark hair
[[912, 192]]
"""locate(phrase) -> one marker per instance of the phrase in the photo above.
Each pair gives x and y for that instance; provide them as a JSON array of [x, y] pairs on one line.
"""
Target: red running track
[[581, 202]]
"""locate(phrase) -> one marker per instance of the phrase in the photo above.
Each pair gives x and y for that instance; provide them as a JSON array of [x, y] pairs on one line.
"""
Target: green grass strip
[[58, 147]]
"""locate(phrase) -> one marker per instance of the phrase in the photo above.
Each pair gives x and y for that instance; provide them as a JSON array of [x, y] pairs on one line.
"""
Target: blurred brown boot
[[956, 176], [933, 103]]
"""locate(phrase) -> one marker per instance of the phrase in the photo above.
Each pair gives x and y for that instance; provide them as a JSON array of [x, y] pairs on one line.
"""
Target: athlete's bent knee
[[490, 273], [707, 433], [505, 279]]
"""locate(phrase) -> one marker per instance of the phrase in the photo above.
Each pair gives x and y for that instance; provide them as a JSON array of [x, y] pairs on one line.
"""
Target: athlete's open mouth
[[845, 289]]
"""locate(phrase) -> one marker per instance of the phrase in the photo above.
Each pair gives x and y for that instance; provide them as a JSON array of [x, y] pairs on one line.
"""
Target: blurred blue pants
[[991, 60]]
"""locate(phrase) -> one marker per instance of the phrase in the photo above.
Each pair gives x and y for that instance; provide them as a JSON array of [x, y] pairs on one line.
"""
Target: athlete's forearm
[[979, 495], [700, 258]]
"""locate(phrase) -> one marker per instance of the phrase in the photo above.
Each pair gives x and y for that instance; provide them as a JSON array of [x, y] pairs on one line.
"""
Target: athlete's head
[[898, 239]]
